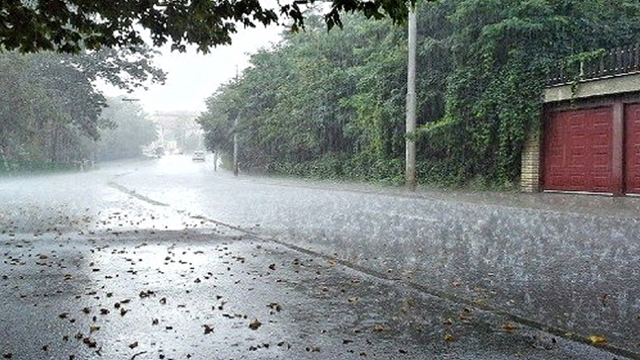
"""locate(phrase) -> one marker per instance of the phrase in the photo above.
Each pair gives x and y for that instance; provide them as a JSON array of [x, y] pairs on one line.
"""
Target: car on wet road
[[198, 156]]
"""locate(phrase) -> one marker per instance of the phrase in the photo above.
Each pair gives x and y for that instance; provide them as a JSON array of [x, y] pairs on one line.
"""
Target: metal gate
[[632, 148], [578, 150]]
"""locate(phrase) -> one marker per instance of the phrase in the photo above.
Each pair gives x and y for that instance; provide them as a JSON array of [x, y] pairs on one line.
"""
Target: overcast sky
[[192, 77]]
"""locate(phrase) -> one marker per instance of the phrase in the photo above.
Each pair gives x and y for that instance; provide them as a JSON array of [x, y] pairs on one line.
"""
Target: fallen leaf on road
[[208, 329], [597, 339], [449, 338], [133, 345], [465, 314], [145, 294], [89, 342], [378, 328], [509, 326], [255, 324]]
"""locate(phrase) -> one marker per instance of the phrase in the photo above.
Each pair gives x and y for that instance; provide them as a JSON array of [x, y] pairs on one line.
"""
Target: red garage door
[[578, 150], [632, 148]]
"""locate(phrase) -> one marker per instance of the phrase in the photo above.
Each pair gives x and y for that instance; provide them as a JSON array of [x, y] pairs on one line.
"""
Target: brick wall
[[530, 174]]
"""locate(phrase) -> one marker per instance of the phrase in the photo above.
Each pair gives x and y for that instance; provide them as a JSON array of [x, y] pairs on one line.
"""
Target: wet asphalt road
[[113, 264], [188, 295]]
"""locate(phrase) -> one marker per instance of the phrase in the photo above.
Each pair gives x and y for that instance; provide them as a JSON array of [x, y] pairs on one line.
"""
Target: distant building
[[178, 130]]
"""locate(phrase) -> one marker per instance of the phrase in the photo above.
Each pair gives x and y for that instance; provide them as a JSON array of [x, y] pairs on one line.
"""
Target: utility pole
[[410, 155], [235, 138], [235, 147]]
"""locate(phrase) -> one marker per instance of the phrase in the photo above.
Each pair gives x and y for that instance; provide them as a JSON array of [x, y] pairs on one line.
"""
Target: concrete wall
[[608, 86]]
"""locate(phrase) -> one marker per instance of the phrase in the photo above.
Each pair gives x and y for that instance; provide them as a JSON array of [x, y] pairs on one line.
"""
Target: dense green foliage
[[131, 130], [50, 110], [331, 104], [71, 26]]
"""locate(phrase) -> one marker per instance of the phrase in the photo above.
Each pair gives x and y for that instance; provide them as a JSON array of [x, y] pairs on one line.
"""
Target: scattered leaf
[[89, 342], [378, 328], [604, 299], [133, 345], [208, 329], [449, 338], [480, 301], [597, 339], [255, 324], [145, 294], [509, 326]]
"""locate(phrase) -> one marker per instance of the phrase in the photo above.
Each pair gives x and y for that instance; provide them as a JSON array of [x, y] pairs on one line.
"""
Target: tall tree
[[332, 103], [502, 51], [131, 130], [50, 102], [75, 25]]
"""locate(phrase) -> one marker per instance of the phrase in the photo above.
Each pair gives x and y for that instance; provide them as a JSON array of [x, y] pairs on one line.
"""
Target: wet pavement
[[356, 271], [196, 295]]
